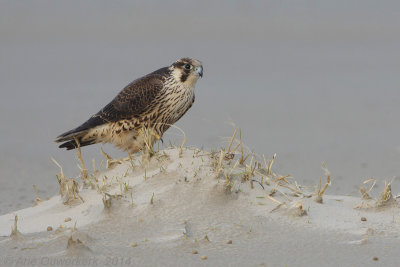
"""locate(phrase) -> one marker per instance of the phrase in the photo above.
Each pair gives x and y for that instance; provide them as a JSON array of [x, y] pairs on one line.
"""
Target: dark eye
[[187, 67]]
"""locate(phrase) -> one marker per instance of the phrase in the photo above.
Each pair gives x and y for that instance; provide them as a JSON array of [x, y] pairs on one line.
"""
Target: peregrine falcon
[[155, 102]]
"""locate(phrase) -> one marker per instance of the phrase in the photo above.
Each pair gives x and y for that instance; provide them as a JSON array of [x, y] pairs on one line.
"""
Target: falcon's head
[[187, 71]]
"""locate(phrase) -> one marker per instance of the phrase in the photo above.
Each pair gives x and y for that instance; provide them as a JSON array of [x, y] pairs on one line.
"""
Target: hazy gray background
[[312, 81]]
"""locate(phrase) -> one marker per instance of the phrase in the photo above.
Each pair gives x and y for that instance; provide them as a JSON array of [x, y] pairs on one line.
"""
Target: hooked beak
[[199, 71]]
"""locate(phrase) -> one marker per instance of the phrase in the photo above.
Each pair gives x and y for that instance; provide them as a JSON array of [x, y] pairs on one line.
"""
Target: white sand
[[179, 205]]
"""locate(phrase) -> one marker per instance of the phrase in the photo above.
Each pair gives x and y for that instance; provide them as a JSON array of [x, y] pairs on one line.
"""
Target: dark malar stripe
[[184, 77]]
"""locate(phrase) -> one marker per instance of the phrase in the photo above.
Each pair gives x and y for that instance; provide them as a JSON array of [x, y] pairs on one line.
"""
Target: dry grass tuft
[[107, 200], [257, 172], [231, 142], [220, 159], [249, 172], [385, 199], [111, 163], [149, 136], [14, 230], [270, 162], [243, 157], [84, 172], [251, 168], [364, 192], [182, 145], [184, 138], [321, 191], [228, 155], [152, 199], [386, 196], [298, 210], [38, 198], [69, 188]]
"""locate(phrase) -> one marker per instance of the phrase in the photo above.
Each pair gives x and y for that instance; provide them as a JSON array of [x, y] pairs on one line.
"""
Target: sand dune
[[194, 207]]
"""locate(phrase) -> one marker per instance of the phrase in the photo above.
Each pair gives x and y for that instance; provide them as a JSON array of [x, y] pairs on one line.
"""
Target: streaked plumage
[[153, 102]]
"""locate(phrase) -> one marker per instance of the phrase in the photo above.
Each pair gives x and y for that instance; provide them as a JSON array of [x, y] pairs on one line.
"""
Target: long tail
[[80, 135], [72, 144]]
